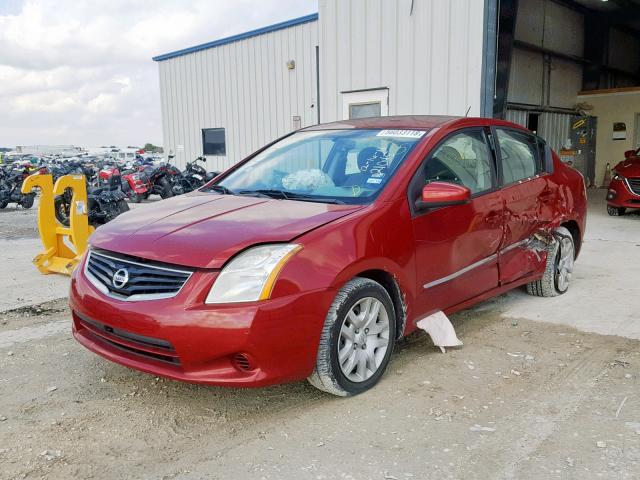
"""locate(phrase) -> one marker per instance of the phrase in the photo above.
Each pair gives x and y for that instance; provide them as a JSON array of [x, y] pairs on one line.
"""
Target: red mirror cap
[[445, 193], [629, 153]]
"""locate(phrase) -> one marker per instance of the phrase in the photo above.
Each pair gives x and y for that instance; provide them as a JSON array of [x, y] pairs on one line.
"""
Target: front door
[[456, 246], [365, 103]]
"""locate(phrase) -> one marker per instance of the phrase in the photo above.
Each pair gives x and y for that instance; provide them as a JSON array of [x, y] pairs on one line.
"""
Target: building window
[[364, 110], [213, 141]]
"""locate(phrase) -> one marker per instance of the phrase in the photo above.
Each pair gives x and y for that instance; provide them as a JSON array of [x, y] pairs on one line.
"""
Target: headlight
[[617, 176], [250, 276]]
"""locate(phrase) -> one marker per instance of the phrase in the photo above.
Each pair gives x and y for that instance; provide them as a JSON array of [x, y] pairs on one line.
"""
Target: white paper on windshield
[[402, 133]]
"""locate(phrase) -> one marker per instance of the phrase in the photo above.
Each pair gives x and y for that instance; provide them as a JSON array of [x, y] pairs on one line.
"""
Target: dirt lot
[[521, 399]]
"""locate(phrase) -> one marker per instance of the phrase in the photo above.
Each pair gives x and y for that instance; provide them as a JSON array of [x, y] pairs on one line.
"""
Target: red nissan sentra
[[311, 257], [624, 188]]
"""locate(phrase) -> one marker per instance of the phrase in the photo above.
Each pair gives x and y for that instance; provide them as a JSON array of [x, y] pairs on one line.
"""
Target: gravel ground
[[521, 399]]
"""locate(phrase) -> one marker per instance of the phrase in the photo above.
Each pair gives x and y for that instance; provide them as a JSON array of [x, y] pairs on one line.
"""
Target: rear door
[[456, 246], [524, 188]]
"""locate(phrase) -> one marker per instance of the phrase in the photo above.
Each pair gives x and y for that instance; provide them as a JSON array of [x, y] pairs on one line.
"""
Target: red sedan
[[310, 258], [624, 188]]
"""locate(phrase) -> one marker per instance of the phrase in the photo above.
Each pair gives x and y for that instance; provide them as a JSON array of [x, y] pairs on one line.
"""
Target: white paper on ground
[[440, 330]]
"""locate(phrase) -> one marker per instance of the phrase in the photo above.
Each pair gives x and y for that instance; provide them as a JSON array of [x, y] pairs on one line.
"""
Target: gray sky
[[80, 71]]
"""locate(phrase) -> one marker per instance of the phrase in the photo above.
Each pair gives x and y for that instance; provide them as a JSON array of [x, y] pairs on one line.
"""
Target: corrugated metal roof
[[241, 36]]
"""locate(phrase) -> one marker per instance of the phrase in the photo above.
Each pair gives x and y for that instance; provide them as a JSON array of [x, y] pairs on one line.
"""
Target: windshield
[[333, 166]]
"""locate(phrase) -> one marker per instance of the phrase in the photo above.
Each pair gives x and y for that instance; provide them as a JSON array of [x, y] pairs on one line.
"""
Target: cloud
[[80, 72]]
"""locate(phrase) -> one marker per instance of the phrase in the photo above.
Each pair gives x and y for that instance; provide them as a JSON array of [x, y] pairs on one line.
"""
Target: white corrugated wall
[[245, 87], [427, 52], [517, 116]]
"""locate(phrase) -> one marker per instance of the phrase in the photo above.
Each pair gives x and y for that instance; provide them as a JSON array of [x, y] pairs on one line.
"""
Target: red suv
[[310, 258], [624, 188]]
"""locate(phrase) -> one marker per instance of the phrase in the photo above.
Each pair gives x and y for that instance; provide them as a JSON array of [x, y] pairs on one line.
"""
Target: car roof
[[395, 122], [418, 122]]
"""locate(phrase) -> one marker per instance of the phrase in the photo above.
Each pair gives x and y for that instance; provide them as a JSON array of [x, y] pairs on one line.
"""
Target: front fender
[[377, 238]]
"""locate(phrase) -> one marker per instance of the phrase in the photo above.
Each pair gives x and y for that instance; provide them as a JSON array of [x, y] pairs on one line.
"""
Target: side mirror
[[442, 194], [629, 153]]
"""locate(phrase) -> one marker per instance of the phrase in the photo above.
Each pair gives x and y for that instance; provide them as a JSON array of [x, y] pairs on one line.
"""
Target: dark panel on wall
[[506, 35]]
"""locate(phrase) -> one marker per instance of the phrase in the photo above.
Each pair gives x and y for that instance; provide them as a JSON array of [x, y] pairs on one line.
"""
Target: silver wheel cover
[[364, 339], [565, 264]]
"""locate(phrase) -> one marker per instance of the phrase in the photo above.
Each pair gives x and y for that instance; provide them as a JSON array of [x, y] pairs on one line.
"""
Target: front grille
[[148, 347], [126, 278], [634, 185]]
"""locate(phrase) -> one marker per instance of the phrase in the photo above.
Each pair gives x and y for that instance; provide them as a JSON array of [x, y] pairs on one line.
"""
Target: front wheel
[[561, 255], [615, 211], [27, 201], [123, 206], [62, 210], [357, 339], [135, 197]]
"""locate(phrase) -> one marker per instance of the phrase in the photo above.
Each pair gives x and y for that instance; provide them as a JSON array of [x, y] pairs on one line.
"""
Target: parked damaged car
[[624, 188], [313, 256]]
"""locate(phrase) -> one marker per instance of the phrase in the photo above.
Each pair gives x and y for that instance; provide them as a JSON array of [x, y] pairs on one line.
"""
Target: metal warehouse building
[[567, 69]]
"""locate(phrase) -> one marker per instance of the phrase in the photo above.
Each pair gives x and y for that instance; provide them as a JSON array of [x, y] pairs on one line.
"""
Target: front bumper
[[620, 195], [183, 339]]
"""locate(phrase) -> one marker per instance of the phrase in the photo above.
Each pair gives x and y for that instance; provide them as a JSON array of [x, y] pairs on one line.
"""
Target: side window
[[463, 158], [519, 155]]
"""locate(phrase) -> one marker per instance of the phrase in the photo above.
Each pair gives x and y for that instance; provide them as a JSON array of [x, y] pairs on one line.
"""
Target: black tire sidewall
[[369, 290], [27, 201]]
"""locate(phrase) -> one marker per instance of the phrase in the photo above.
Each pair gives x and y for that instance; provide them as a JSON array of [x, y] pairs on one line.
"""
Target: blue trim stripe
[[241, 36]]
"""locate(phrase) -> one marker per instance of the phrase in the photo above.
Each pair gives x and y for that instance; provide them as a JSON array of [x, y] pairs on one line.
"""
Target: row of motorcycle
[[109, 184]]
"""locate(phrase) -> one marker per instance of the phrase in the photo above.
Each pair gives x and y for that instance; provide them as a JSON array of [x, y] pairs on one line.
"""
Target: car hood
[[204, 230], [630, 168]]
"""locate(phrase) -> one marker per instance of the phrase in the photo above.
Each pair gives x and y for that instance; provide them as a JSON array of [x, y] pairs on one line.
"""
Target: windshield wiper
[[265, 192], [315, 198], [221, 189], [281, 194]]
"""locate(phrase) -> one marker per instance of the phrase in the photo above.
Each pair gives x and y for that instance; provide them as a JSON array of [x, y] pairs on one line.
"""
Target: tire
[[615, 211], [27, 201], [135, 198], [340, 326], [61, 210], [123, 206], [557, 274], [165, 188], [3, 205]]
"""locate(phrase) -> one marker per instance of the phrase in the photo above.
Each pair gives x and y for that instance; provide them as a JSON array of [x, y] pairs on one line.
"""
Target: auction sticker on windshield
[[402, 133]]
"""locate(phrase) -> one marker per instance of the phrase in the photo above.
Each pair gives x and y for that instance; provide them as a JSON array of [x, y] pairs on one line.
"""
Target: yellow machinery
[[63, 246]]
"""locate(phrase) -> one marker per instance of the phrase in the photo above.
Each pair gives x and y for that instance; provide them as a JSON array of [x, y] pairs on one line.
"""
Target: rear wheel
[[615, 211], [559, 270], [357, 339], [165, 188], [3, 205]]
